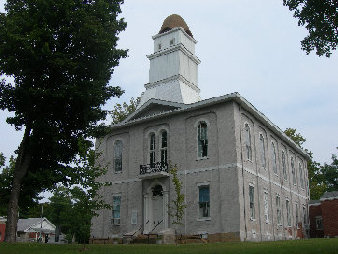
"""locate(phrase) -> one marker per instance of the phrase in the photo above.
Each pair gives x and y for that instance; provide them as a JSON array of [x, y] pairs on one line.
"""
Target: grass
[[313, 246]]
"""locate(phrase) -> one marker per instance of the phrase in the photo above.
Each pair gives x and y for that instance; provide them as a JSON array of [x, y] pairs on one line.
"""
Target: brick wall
[[330, 217], [314, 211]]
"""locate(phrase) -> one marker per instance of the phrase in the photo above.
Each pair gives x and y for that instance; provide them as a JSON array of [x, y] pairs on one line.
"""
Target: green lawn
[[315, 246]]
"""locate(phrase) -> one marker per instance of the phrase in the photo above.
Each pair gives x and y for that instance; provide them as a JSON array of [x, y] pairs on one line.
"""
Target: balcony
[[155, 170]]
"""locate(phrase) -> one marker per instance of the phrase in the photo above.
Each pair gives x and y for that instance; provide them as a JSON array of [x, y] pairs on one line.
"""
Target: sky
[[245, 46]]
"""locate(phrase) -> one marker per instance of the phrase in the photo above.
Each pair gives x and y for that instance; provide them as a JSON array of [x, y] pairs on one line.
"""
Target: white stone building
[[243, 178]]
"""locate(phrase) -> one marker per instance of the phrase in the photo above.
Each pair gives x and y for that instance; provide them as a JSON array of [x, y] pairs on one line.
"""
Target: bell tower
[[173, 74]]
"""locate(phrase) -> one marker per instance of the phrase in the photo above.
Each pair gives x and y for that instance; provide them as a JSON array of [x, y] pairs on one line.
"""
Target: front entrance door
[[157, 204]]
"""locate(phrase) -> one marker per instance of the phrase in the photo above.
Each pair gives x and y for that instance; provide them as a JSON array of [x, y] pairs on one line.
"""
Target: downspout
[[244, 203]]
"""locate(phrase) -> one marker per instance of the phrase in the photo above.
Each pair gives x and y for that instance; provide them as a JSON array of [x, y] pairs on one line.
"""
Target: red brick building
[[2, 228], [324, 216]]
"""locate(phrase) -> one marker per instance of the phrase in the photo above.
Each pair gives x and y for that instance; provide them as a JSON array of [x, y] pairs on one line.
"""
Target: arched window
[[262, 148], [164, 148], [301, 175], [152, 154], [284, 166], [202, 139], [248, 142], [118, 148], [274, 158], [294, 179]]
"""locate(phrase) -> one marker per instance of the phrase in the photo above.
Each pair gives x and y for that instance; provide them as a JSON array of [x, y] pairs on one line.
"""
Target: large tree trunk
[[21, 167]]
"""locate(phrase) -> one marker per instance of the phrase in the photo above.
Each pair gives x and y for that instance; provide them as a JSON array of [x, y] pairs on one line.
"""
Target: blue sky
[[245, 46]]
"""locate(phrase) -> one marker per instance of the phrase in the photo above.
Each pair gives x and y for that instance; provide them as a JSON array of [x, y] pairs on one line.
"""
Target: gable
[[153, 107]]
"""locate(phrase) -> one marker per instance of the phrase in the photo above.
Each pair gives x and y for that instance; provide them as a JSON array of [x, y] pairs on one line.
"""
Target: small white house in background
[[29, 230]]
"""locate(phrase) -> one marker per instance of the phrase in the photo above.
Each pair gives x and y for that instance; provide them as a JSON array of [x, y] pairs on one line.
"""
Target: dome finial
[[172, 21]]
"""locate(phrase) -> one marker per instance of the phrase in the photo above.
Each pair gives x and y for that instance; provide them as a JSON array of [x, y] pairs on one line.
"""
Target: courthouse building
[[243, 178]]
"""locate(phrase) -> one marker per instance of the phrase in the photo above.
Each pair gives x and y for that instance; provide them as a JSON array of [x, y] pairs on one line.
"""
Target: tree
[[61, 55], [330, 173], [121, 112], [28, 199], [317, 177], [176, 210], [321, 20]]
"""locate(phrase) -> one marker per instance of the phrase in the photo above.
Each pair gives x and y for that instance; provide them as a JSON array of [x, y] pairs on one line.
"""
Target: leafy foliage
[[176, 210], [321, 178], [28, 199], [321, 20], [61, 55], [121, 112]]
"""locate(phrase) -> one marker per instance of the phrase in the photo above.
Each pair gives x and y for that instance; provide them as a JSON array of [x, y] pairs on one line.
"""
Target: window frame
[[116, 220], [284, 169], [293, 171], [278, 210], [152, 148], [247, 142], [202, 147], [207, 203], [262, 150], [115, 159], [288, 212], [266, 206], [164, 149], [274, 158], [252, 202]]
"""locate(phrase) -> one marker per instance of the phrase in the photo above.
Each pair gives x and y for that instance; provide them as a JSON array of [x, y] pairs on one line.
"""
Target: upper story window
[[301, 179], [159, 46], [118, 148], [164, 147], [204, 201], [247, 138], [293, 172], [284, 166], [274, 157], [172, 41], [252, 201], [202, 139], [262, 150], [116, 210], [152, 146], [278, 209]]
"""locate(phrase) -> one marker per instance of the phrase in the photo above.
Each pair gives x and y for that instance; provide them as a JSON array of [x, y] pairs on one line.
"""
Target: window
[[301, 179], [159, 46], [118, 148], [152, 156], [248, 142], [266, 206], [304, 216], [284, 166], [164, 148], [204, 201], [116, 210], [172, 41], [319, 223], [202, 139], [133, 217], [274, 158], [279, 212], [294, 179], [288, 215], [251, 200], [262, 148], [297, 216]]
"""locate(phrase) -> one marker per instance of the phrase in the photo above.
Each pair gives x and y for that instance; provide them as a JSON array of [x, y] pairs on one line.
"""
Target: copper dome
[[173, 21]]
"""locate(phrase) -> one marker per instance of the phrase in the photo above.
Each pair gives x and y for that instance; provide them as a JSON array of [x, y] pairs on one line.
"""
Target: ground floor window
[[252, 202], [116, 210], [319, 223], [204, 201]]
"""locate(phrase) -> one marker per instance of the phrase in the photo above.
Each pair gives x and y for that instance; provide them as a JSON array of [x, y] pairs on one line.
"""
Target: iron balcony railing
[[153, 168]]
